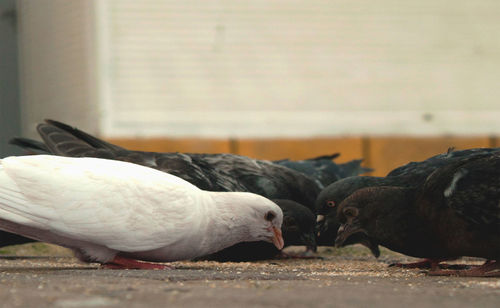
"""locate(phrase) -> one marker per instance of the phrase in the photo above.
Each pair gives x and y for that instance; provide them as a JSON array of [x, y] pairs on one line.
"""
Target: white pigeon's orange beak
[[278, 238]]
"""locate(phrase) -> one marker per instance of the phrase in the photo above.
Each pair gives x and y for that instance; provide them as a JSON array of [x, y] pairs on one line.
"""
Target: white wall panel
[[265, 68]]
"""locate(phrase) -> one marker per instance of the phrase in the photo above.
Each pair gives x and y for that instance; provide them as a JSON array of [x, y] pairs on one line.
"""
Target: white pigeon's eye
[[330, 203], [270, 216]]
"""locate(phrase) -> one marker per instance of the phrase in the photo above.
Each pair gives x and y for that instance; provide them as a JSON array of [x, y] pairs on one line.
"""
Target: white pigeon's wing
[[120, 205]]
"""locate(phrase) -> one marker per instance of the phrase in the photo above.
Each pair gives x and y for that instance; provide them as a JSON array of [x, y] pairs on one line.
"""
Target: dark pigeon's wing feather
[[471, 187], [67, 141], [83, 136], [323, 170], [420, 170], [63, 143], [264, 177], [322, 157], [353, 168], [198, 172], [31, 146]]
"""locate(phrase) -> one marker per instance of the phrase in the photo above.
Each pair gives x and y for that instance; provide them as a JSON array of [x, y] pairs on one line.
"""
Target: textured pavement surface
[[350, 279]]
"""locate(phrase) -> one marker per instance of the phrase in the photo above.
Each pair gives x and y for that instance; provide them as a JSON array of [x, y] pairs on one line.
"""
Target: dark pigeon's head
[[328, 201], [358, 217], [382, 215], [298, 224]]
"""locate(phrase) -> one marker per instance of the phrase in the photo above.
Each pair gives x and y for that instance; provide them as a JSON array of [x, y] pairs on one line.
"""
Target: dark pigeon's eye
[[270, 216], [330, 203], [351, 212]]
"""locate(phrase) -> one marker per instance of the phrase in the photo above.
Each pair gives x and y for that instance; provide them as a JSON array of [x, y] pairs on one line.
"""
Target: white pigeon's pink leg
[[125, 263]]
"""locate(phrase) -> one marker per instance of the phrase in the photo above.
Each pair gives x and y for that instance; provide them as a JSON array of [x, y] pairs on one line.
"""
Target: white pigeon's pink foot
[[125, 263]]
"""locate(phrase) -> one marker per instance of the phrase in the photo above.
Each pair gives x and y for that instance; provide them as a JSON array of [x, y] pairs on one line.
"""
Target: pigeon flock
[[126, 209]]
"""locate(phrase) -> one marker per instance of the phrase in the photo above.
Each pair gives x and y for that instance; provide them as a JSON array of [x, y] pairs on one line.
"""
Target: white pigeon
[[115, 213]]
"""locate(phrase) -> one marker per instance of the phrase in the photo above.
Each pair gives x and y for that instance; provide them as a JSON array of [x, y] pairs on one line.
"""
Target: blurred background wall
[[390, 81], [10, 121]]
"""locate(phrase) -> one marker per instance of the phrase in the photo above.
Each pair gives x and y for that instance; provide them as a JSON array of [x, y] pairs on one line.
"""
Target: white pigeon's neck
[[228, 222]]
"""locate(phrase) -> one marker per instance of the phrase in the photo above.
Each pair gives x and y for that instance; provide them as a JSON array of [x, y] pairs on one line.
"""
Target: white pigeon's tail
[[12, 201], [13, 215], [17, 216]]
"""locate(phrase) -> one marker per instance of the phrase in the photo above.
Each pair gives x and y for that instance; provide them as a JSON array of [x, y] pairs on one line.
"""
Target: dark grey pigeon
[[455, 212], [412, 174]]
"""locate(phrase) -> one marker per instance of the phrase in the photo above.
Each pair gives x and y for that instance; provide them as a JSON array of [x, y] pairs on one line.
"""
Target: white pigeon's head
[[257, 217], [268, 219]]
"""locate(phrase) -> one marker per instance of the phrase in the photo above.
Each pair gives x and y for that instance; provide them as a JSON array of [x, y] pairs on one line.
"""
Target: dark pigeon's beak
[[326, 231], [278, 238], [349, 234], [320, 223]]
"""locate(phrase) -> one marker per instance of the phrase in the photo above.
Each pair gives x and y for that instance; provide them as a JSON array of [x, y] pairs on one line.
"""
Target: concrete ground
[[346, 278]]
